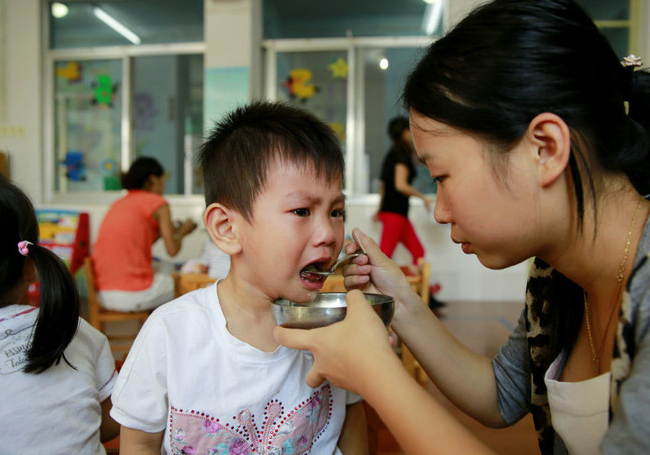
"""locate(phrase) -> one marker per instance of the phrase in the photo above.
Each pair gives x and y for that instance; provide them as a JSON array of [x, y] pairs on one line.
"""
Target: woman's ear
[[220, 223], [551, 138]]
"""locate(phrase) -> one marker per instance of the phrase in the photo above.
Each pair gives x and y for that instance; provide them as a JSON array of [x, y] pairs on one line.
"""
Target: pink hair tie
[[22, 247]]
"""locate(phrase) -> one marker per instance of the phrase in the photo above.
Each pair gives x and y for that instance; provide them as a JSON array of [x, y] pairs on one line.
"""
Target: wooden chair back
[[98, 315], [424, 268], [187, 282]]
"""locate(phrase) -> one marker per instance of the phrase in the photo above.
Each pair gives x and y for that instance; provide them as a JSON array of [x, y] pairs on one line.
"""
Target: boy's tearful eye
[[338, 213], [301, 212]]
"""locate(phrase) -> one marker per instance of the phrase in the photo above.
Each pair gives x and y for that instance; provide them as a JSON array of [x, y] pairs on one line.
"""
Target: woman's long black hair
[[58, 315]]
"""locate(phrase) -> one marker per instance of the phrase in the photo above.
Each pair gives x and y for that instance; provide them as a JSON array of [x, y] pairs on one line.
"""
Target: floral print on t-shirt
[[281, 432]]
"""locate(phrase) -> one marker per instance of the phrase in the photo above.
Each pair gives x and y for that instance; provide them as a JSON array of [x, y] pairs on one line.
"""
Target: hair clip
[[632, 61], [22, 247]]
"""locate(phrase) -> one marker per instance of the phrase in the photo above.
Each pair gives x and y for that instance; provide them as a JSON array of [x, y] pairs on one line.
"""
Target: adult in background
[[397, 173], [122, 257]]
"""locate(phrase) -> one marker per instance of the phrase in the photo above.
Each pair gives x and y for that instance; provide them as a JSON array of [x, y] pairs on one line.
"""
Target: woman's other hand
[[349, 353]]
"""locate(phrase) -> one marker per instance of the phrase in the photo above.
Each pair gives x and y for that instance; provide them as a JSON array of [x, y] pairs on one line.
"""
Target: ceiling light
[[429, 1], [59, 10], [432, 15], [116, 25], [383, 63]]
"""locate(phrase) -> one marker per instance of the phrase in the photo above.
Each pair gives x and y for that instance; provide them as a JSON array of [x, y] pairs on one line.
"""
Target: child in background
[[205, 374], [122, 258], [56, 372]]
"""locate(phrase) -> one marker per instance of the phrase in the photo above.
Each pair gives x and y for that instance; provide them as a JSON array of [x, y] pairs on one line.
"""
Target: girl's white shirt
[[58, 411]]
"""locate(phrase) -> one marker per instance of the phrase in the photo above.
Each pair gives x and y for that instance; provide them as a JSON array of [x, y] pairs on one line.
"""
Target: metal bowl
[[327, 308]]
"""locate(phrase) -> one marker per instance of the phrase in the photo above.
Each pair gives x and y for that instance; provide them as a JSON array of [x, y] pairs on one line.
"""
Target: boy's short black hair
[[240, 149]]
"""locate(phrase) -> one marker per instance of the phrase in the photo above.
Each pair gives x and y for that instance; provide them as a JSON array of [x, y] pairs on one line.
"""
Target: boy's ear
[[219, 222], [551, 138]]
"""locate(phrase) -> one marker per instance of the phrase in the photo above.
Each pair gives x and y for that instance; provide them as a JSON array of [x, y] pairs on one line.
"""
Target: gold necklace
[[595, 350]]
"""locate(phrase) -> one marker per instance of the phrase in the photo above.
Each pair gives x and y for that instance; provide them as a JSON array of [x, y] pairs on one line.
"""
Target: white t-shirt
[[57, 411], [579, 410], [212, 393]]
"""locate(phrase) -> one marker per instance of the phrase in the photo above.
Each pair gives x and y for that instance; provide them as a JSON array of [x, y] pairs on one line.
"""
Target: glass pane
[[619, 38], [340, 18], [168, 114], [316, 81], [152, 22], [88, 113], [383, 88], [607, 10]]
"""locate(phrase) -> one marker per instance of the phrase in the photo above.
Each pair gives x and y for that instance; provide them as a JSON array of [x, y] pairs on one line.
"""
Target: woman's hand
[[374, 271], [348, 353]]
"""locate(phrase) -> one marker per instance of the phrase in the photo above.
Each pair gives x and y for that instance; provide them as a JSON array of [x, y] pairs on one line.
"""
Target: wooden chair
[[98, 315], [422, 288], [186, 282]]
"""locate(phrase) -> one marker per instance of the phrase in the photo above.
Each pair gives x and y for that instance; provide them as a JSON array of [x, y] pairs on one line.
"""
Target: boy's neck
[[247, 313]]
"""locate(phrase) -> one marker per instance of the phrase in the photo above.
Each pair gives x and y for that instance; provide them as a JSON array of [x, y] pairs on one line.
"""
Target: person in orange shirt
[[122, 257]]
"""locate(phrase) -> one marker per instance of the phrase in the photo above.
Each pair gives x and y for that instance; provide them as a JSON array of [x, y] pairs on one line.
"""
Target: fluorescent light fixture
[[116, 25], [383, 63], [429, 1], [59, 10], [432, 15]]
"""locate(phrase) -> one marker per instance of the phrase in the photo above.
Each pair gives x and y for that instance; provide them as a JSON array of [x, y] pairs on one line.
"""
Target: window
[[88, 114], [346, 62], [307, 41], [119, 100], [616, 21], [354, 85]]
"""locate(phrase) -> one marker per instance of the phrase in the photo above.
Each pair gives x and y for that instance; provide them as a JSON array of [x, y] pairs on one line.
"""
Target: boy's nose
[[325, 233]]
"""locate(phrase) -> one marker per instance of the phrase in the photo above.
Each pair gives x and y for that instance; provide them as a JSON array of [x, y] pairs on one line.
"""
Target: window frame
[[355, 118]]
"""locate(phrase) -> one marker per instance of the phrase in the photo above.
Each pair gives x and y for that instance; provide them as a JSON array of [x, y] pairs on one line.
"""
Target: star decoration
[[339, 69]]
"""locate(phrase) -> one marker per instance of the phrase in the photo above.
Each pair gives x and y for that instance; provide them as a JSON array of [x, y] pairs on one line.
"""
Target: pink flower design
[[238, 447], [211, 426]]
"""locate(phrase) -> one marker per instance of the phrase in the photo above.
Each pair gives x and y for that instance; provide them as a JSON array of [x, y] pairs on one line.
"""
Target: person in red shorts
[[397, 174]]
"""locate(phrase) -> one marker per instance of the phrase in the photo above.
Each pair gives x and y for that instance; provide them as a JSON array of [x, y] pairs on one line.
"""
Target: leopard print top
[[545, 322]]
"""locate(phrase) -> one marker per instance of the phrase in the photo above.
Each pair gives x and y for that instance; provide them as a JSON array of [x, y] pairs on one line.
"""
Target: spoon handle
[[344, 259]]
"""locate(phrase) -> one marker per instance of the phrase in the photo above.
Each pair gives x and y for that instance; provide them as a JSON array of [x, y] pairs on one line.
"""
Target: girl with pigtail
[[538, 135], [56, 371]]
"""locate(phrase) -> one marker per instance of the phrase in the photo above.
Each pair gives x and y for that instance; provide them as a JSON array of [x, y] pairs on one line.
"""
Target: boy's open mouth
[[307, 275]]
